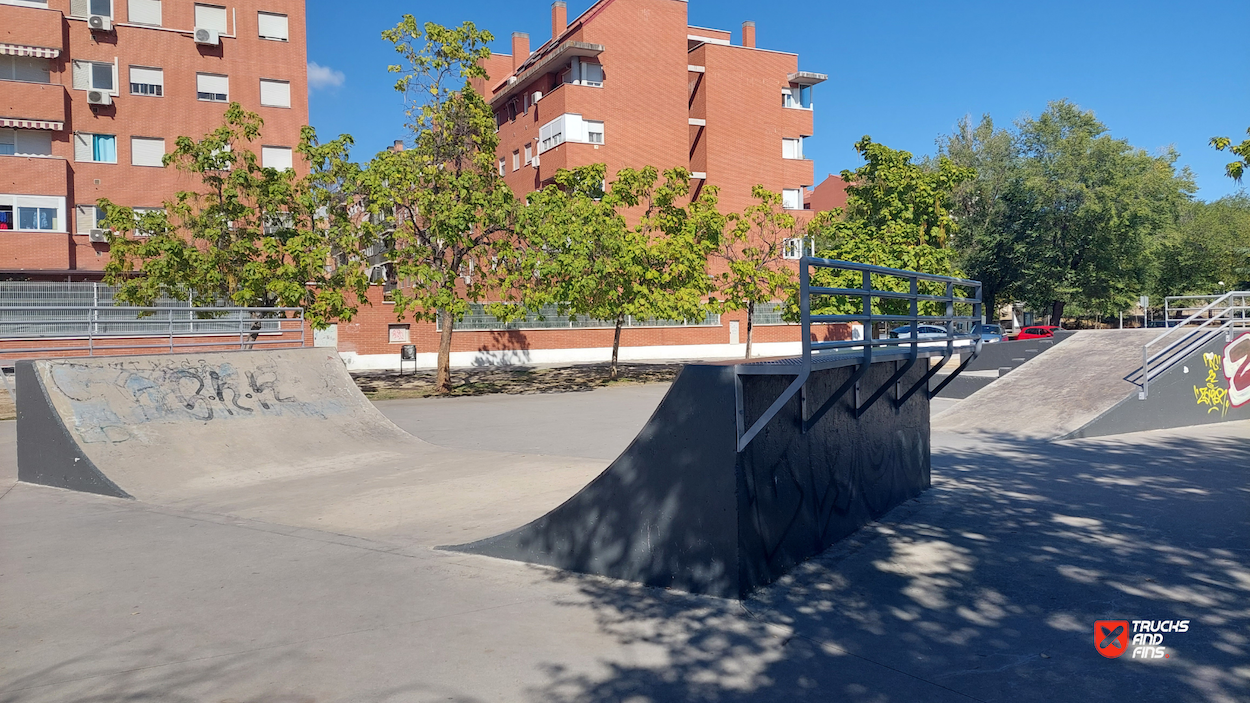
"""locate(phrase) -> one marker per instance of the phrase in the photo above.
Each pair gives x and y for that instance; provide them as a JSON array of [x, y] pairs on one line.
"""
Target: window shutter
[[145, 12], [79, 8], [209, 83], [279, 157], [147, 76], [273, 26], [85, 218], [82, 75], [275, 93], [32, 141], [83, 148], [147, 152], [210, 17]]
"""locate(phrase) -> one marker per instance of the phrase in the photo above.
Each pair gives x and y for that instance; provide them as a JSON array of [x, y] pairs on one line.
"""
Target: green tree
[[1094, 208], [1242, 151], [580, 254], [753, 250], [1208, 249], [988, 240], [249, 236], [449, 209], [897, 215]]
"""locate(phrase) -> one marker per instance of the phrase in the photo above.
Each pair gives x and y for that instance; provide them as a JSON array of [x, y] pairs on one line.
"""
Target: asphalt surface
[[984, 589]]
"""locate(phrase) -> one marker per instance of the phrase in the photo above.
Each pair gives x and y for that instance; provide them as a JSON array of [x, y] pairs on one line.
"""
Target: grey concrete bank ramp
[[682, 508], [283, 437], [1084, 388]]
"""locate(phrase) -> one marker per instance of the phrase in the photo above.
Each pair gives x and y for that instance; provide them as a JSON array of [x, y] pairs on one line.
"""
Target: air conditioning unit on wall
[[102, 23], [99, 235], [99, 97], [209, 37]]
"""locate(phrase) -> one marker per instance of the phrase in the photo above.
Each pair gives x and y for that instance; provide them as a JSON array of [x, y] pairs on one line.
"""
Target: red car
[[1036, 332]]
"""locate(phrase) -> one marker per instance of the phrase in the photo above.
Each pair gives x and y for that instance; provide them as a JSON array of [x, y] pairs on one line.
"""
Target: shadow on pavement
[[986, 588]]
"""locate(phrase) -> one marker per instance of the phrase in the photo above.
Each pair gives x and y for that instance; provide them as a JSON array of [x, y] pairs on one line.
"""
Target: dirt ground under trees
[[511, 380]]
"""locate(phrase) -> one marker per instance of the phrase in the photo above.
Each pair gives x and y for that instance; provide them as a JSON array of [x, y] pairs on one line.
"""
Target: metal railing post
[[871, 324]]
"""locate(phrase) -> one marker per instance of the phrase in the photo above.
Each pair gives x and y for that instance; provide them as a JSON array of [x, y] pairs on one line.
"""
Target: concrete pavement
[[984, 589]]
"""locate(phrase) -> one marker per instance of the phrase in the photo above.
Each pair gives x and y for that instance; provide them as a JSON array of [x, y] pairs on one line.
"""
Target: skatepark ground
[[985, 588]]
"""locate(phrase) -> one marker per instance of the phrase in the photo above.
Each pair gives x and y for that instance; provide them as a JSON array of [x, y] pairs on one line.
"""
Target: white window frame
[[225, 18], [158, 14], [20, 141], [199, 93], [529, 154], [86, 69], [284, 85], [798, 193], [147, 141], [591, 83], [91, 148], [45, 69], [594, 127], [569, 127], [34, 201], [260, 24], [792, 148], [792, 249], [112, 9], [160, 93], [268, 152], [87, 218], [516, 160]]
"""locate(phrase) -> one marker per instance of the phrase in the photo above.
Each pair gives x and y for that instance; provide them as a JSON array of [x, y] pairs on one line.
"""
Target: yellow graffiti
[[1211, 395]]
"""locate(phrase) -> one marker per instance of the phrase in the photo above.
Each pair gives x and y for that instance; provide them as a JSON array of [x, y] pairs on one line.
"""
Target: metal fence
[[548, 318]]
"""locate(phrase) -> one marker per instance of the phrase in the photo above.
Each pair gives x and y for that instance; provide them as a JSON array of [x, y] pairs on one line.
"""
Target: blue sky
[[1158, 73]]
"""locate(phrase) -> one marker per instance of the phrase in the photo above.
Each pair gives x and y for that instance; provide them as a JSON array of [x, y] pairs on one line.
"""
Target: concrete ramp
[[1084, 388], [279, 436]]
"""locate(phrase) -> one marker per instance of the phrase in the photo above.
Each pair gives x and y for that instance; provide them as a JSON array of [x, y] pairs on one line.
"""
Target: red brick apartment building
[[628, 83], [94, 92]]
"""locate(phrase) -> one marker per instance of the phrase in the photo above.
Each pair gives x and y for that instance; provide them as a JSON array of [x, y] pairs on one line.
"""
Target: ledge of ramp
[[681, 508]]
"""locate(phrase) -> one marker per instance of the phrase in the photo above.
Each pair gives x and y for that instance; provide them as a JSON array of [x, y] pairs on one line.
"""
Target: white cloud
[[322, 77]]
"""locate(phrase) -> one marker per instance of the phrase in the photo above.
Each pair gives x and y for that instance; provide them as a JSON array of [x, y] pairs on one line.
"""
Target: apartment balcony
[[34, 175], [28, 28], [583, 100], [797, 172], [33, 102]]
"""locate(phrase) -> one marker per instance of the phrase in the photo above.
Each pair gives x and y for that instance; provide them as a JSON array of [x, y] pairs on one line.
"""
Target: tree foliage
[[450, 211], [753, 250], [1236, 169], [579, 252], [897, 215], [249, 236], [1207, 252], [1068, 212]]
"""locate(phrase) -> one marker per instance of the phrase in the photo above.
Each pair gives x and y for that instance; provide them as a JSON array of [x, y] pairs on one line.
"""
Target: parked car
[[990, 334], [924, 332], [1037, 332]]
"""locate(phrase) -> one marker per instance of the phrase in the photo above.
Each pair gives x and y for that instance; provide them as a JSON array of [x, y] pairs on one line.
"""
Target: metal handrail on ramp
[[863, 352], [1222, 315]]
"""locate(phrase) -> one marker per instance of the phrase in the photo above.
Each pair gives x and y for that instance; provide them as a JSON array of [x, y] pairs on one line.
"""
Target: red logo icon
[[1111, 637]]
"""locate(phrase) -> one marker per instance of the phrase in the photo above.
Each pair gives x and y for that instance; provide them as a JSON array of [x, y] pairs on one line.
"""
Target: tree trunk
[[750, 325], [442, 382], [1056, 314], [616, 349]]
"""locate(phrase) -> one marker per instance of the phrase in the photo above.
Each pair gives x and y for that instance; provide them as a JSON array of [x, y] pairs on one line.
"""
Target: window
[[529, 154], [279, 157], [516, 160], [147, 81], [791, 148], [146, 151], [275, 93], [95, 75], [798, 97], [592, 75], [32, 213], [95, 148], [212, 87], [89, 217], [210, 17], [792, 248], [101, 7], [273, 26], [25, 142], [145, 12], [594, 132], [792, 199], [399, 334], [24, 68], [501, 167]]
